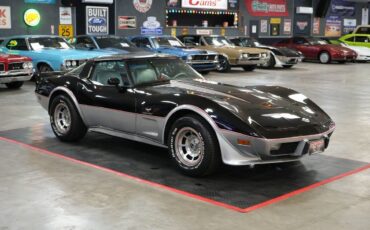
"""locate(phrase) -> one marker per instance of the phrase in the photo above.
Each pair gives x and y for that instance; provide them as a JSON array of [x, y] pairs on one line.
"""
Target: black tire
[[209, 159], [287, 66], [326, 60], [224, 65], [204, 72], [44, 68], [249, 67], [341, 62], [270, 63], [77, 128], [14, 85]]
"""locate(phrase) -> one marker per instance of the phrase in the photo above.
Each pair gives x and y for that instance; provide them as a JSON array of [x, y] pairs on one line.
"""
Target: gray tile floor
[[39, 191]]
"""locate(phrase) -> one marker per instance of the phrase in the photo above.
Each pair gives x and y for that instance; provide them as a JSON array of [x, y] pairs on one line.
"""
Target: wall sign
[[365, 16], [32, 17], [287, 26], [65, 15], [264, 26], [41, 1], [349, 25], [65, 31], [142, 6], [204, 32], [302, 26], [333, 27], [274, 8], [205, 4], [342, 8], [151, 27], [5, 17], [98, 1], [97, 20], [316, 26], [173, 3], [126, 22]]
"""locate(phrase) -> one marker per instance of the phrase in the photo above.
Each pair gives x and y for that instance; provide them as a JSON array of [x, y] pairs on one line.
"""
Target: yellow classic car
[[230, 55]]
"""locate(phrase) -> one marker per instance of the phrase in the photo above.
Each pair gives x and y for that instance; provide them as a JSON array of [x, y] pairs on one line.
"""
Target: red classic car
[[14, 70], [319, 49]]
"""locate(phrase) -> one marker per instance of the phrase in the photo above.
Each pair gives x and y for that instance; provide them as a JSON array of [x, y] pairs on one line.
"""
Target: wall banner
[[349, 25], [342, 8], [273, 8], [126, 22], [287, 30], [333, 27], [316, 26], [205, 4], [65, 15], [264, 26], [5, 17], [151, 27], [97, 20]]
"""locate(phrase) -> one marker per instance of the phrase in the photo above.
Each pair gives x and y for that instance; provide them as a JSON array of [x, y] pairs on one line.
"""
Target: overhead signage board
[[205, 4], [41, 1], [98, 1], [97, 20], [267, 8], [5, 17]]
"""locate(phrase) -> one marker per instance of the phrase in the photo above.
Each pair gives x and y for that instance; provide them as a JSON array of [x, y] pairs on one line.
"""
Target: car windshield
[[363, 30], [161, 70], [317, 41], [168, 42], [250, 42], [49, 43], [218, 41], [113, 42], [77, 71]]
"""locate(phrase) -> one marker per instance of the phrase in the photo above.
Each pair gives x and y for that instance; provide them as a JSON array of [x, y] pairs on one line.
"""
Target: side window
[[142, 72], [17, 44], [299, 41], [82, 41], [350, 39], [141, 42], [105, 70], [189, 41], [361, 39]]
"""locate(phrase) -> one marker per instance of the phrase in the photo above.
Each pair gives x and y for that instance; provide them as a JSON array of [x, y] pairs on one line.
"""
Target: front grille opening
[[2, 67], [15, 66], [285, 149]]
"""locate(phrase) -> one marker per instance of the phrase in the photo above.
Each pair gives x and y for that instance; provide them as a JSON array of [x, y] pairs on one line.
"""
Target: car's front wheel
[[224, 65], [193, 146], [14, 85], [65, 120], [44, 68], [324, 57]]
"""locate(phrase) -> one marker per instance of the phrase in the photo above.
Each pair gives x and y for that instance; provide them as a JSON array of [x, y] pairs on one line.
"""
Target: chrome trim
[[129, 136], [4, 78]]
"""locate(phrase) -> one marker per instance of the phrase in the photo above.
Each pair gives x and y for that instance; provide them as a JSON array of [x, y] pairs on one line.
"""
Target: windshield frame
[[316, 41], [43, 48]]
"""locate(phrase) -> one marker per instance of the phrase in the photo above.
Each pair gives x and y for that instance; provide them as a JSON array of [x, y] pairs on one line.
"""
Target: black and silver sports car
[[279, 57], [160, 100]]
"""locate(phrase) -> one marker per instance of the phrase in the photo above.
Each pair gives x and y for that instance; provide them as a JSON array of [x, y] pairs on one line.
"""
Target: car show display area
[[237, 188]]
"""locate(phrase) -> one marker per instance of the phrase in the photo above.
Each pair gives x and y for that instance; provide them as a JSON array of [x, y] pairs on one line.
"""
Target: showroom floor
[[42, 191]]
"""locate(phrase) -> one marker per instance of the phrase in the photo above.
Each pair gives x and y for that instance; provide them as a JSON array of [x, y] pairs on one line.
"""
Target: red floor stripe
[[194, 196]]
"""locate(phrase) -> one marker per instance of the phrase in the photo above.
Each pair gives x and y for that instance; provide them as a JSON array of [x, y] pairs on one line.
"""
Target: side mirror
[[113, 81]]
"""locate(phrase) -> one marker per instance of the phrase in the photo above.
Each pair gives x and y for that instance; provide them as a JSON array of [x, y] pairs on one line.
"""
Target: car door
[[105, 105], [362, 40], [304, 46]]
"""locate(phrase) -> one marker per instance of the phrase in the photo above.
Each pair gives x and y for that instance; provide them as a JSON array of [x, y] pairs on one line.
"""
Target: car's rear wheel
[[65, 120], [14, 85], [224, 65], [270, 63], [193, 146], [249, 67], [44, 68], [324, 57]]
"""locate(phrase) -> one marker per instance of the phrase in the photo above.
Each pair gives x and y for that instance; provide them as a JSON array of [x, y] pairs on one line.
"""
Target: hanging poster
[[365, 16], [342, 8], [5, 17], [97, 20], [287, 30], [316, 26], [142, 6], [273, 8], [151, 27], [264, 26], [65, 15], [274, 29], [333, 27], [301, 27], [126, 22], [349, 25], [205, 4]]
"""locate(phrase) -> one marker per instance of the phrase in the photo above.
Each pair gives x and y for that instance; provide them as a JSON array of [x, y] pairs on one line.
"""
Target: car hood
[[238, 49], [271, 111], [337, 48], [12, 58], [182, 51], [72, 54]]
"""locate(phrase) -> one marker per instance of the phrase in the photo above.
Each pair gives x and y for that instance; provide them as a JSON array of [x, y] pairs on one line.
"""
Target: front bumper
[[283, 60], [8, 77], [348, 57], [363, 58], [203, 65], [265, 151], [249, 61]]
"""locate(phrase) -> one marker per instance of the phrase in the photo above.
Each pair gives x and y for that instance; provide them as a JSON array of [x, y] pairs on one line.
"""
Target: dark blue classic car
[[201, 60], [108, 43]]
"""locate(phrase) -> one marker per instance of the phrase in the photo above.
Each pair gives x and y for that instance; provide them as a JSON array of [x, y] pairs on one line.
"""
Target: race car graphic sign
[[97, 20], [267, 8]]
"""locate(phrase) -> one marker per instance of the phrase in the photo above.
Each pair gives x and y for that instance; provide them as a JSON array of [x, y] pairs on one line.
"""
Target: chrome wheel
[[62, 118], [324, 57], [189, 147]]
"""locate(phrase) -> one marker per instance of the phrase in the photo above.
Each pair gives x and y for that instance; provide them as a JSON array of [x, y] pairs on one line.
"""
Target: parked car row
[[203, 53]]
